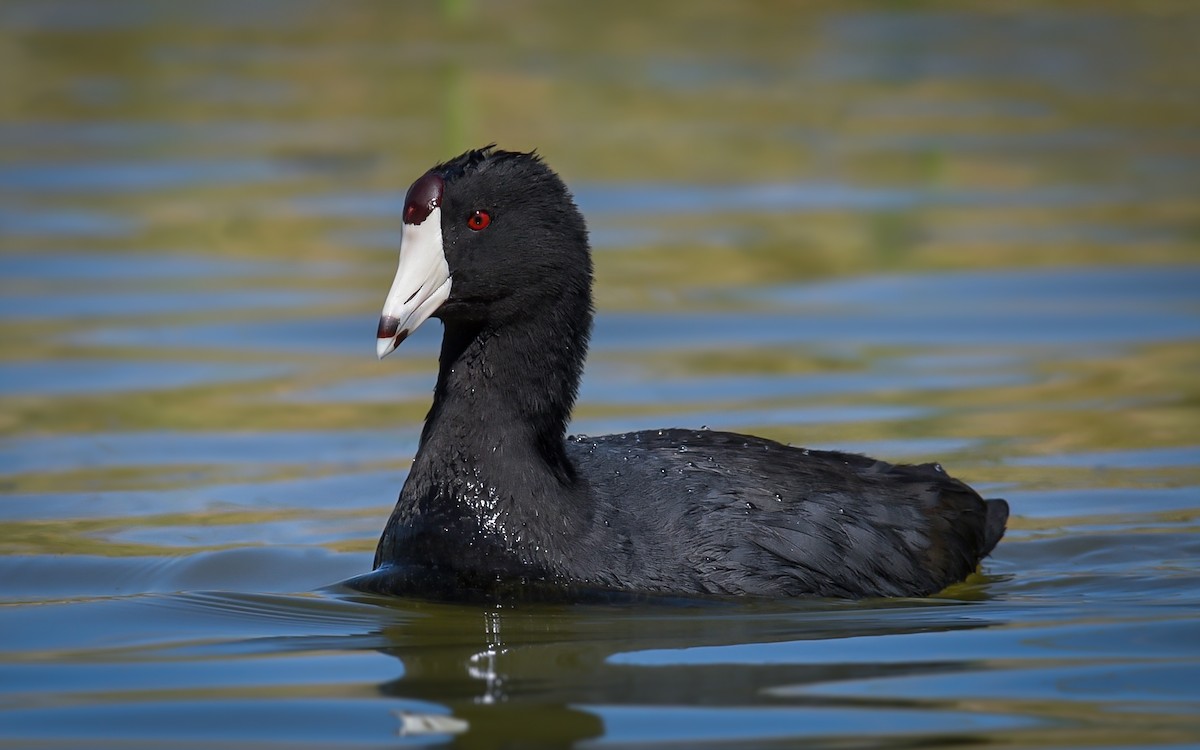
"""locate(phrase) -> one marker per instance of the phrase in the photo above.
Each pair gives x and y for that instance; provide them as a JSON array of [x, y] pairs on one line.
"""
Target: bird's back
[[706, 512]]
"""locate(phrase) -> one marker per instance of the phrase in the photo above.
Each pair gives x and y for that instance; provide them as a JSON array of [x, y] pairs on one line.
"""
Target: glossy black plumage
[[499, 504]]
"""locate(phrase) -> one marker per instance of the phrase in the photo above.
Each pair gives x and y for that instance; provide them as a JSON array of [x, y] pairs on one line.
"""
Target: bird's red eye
[[479, 220]]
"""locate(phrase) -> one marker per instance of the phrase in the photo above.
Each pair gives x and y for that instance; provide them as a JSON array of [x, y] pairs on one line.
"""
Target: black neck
[[492, 462], [510, 385]]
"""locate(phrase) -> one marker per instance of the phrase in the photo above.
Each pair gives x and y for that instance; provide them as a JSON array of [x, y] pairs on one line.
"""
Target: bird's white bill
[[422, 281]]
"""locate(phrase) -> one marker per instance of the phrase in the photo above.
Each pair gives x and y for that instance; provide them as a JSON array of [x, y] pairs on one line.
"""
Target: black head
[[488, 237]]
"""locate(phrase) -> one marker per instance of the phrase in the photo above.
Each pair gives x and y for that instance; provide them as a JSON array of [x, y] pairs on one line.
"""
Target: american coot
[[500, 503]]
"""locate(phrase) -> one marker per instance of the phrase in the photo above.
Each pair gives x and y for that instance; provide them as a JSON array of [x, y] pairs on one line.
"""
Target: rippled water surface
[[929, 231]]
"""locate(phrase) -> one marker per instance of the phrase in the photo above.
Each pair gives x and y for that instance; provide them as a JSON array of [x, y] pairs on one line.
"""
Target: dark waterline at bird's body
[[499, 503]]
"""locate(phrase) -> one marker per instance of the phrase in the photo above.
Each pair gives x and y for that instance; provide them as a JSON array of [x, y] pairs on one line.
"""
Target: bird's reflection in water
[[543, 673]]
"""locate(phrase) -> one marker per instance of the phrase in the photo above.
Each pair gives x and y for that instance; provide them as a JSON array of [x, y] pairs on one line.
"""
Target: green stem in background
[[455, 11], [456, 109]]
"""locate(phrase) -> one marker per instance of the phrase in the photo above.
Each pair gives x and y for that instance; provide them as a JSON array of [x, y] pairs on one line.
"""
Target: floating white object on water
[[420, 724]]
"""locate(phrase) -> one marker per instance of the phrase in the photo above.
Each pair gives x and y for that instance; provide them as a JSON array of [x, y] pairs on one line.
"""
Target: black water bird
[[501, 504]]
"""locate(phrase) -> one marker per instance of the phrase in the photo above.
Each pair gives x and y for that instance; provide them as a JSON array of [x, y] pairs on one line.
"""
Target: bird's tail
[[993, 529]]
